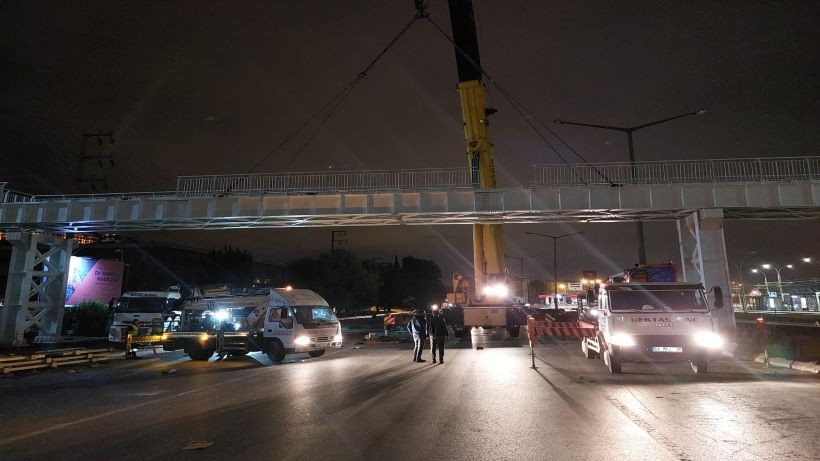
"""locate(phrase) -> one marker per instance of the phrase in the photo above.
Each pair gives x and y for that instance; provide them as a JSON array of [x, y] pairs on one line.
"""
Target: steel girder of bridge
[[791, 200], [37, 279]]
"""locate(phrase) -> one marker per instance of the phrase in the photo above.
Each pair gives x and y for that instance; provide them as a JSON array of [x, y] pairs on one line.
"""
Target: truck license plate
[[666, 349]]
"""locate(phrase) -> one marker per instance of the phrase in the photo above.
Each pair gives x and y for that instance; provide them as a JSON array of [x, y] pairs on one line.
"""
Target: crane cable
[[336, 101], [525, 113]]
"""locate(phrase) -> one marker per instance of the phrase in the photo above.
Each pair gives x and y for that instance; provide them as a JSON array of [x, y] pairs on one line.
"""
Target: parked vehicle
[[277, 321], [654, 318], [150, 309]]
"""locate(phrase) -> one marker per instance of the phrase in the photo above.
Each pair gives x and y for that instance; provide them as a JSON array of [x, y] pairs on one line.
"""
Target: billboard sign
[[93, 280]]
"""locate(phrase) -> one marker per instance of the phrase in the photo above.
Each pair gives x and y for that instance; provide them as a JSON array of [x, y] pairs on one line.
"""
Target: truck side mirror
[[718, 291]]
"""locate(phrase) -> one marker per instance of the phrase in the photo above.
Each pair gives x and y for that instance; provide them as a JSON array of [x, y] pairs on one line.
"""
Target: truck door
[[280, 322]]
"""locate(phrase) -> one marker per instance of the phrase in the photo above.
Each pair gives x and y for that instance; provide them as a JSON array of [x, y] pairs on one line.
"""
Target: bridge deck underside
[[792, 200]]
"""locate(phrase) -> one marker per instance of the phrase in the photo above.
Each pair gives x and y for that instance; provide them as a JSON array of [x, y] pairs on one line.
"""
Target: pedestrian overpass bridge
[[697, 194]]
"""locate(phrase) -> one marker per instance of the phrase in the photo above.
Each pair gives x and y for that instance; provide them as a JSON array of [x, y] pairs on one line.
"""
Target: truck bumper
[[658, 348], [318, 346]]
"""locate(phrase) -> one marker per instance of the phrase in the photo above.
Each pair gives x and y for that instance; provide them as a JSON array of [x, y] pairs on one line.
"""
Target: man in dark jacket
[[418, 328], [437, 330]]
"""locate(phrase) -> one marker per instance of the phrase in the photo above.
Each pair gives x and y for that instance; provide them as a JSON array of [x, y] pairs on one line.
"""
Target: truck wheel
[[514, 331], [612, 362], [700, 365], [196, 352], [275, 351], [318, 353]]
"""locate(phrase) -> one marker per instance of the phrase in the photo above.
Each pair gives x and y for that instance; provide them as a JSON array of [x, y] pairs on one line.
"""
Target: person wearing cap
[[418, 328], [437, 330]]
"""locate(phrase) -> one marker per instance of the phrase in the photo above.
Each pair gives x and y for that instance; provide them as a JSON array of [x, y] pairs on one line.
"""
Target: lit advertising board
[[93, 280]]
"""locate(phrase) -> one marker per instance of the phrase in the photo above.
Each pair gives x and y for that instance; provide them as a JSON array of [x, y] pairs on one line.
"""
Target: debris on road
[[170, 371], [197, 445]]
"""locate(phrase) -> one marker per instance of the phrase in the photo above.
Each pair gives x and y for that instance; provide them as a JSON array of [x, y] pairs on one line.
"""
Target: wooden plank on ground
[[70, 362], [27, 367]]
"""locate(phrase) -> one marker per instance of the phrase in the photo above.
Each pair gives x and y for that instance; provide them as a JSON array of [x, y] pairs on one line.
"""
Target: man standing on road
[[418, 328], [437, 330]]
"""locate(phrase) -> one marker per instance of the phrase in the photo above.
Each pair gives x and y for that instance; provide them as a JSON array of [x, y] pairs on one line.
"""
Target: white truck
[[276, 321], [655, 321], [150, 309]]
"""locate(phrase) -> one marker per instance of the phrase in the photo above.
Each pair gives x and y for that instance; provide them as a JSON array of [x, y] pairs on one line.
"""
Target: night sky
[[201, 87]]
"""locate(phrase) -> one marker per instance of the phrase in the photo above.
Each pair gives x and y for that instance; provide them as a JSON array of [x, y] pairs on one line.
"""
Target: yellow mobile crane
[[490, 303]]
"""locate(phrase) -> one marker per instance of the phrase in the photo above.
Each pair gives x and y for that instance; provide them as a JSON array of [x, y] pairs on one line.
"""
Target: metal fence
[[737, 170], [366, 181]]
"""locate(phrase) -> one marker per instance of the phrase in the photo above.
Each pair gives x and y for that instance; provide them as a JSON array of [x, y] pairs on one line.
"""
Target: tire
[[196, 352], [275, 351], [514, 331], [699, 366], [612, 362], [318, 353]]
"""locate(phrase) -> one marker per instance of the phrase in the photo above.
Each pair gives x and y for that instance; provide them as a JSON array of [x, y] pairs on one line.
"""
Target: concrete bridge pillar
[[703, 257], [35, 292]]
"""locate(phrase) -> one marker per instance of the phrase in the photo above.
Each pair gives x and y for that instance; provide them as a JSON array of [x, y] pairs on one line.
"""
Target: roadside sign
[[773, 294], [573, 286]]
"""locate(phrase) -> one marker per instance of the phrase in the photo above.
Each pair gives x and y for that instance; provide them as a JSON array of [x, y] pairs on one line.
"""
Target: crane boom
[[488, 244]]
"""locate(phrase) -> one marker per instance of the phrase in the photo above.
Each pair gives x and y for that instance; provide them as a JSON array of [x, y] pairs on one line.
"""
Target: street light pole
[[779, 280], [521, 261], [629, 130], [555, 261], [765, 282]]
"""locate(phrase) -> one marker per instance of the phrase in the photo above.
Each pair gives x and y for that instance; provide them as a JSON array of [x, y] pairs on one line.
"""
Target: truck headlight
[[622, 339], [221, 315], [708, 339], [594, 312], [337, 338], [203, 337], [302, 340]]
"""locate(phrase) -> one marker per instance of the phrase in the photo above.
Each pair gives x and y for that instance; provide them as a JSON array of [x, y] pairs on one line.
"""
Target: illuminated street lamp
[[629, 130], [779, 281], [555, 260], [765, 281]]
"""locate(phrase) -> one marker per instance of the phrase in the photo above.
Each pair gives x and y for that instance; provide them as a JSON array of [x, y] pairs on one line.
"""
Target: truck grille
[[321, 339]]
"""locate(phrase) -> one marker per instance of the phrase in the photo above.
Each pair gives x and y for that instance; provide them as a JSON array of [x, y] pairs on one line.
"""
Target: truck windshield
[[140, 305], [648, 300], [306, 315]]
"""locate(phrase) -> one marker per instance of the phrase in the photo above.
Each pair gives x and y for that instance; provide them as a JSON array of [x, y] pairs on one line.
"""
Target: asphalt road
[[371, 402]]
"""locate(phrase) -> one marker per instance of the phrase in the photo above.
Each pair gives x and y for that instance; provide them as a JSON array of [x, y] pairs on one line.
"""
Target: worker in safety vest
[[133, 330]]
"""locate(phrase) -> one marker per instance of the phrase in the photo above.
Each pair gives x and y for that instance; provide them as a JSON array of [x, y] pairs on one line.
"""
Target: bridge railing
[[365, 181], [737, 170]]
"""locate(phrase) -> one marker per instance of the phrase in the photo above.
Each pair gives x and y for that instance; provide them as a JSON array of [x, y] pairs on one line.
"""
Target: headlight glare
[[708, 339], [337, 338], [302, 340], [622, 339]]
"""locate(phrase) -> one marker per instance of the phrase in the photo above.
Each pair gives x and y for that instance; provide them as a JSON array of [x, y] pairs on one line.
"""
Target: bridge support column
[[35, 292], [703, 257]]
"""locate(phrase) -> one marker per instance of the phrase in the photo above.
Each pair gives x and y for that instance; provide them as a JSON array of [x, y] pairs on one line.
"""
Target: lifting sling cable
[[335, 101], [525, 113]]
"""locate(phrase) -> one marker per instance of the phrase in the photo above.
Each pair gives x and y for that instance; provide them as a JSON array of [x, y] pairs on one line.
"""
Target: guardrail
[[737, 170], [366, 181], [19, 197]]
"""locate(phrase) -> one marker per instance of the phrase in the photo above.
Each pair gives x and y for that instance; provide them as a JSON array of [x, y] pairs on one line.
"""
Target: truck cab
[[147, 309], [640, 321]]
